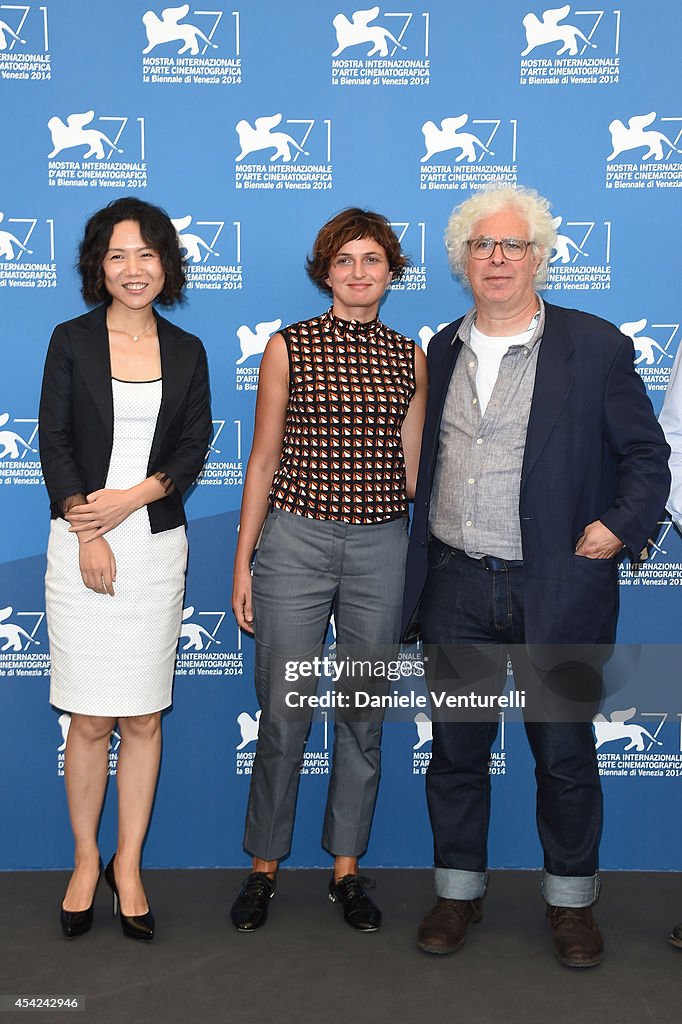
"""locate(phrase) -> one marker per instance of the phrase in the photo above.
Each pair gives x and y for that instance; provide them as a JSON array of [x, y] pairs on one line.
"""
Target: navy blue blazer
[[594, 450], [77, 414]]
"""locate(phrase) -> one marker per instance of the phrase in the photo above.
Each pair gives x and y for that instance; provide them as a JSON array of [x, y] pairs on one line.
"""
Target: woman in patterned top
[[336, 444]]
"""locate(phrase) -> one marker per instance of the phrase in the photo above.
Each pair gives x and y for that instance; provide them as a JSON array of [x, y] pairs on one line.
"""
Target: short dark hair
[[157, 231], [346, 227]]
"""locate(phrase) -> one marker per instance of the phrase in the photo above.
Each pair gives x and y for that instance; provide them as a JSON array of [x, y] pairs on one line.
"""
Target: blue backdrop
[[251, 127]]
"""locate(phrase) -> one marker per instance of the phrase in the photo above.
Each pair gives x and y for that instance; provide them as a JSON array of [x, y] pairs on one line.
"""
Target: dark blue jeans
[[477, 614]]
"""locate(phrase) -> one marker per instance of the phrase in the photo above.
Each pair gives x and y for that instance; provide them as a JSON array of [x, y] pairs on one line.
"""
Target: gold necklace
[[133, 337]]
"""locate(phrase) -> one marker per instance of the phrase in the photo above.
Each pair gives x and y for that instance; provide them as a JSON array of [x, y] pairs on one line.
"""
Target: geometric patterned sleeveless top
[[350, 386]]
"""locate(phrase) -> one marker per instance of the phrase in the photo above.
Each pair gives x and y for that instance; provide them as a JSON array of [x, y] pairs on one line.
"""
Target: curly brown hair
[[157, 231], [345, 227]]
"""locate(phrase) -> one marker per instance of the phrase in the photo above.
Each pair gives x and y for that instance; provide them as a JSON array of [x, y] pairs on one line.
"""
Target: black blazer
[[593, 451], [77, 414]]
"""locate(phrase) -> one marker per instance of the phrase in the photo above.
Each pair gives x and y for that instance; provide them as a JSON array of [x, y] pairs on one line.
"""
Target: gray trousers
[[305, 569]]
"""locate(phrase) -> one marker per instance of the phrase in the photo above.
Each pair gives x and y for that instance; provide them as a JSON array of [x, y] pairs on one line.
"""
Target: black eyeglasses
[[483, 247]]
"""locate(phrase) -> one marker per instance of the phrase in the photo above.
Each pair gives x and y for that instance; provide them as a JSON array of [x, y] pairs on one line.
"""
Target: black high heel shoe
[[78, 922], [140, 926]]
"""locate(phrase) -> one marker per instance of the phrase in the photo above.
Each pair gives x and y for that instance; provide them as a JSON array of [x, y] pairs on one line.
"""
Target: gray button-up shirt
[[475, 499]]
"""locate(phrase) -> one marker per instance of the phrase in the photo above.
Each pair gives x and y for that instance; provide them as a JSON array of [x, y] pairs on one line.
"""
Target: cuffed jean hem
[[569, 891], [455, 884]]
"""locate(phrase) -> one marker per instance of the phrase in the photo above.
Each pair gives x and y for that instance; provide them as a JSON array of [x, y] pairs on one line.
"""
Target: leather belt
[[489, 562]]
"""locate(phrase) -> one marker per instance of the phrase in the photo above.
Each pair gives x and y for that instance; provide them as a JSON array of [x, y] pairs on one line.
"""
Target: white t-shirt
[[490, 352]]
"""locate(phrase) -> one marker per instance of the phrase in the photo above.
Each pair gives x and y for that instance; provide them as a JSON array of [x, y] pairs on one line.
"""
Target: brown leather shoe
[[675, 936], [576, 938], [444, 928]]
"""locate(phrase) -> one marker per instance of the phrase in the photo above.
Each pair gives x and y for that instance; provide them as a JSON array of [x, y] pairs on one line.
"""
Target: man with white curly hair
[[541, 462]]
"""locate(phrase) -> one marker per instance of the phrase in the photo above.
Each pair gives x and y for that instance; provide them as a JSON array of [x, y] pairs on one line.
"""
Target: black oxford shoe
[[250, 909], [359, 911]]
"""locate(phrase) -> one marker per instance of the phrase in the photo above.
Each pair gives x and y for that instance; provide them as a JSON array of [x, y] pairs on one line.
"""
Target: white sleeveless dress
[[115, 656]]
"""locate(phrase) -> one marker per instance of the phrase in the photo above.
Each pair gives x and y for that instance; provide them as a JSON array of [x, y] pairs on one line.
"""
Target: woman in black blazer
[[125, 423]]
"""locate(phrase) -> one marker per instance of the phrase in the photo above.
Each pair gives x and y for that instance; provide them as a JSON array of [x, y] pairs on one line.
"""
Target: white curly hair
[[533, 207]]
